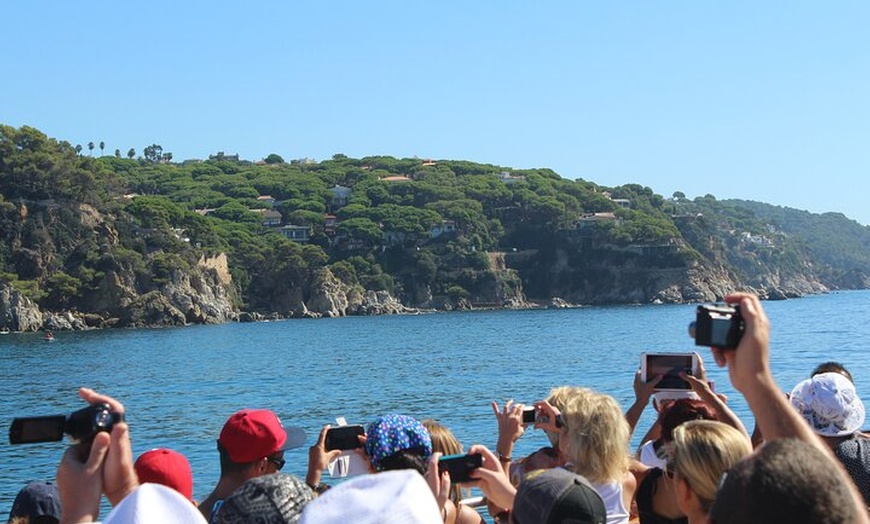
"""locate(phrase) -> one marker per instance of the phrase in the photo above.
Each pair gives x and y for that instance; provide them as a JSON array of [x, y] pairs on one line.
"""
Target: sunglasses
[[277, 461]]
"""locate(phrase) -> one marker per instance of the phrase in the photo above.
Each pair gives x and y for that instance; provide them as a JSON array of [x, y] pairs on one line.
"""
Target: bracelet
[[320, 488], [502, 457]]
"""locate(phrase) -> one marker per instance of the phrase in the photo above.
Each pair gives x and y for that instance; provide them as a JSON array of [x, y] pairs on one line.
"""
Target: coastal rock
[[17, 312], [150, 310], [379, 303], [64, 321], [328, 295], [200, 295]]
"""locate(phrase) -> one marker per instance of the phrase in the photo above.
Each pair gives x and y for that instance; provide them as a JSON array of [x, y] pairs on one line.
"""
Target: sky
[[766, 101]]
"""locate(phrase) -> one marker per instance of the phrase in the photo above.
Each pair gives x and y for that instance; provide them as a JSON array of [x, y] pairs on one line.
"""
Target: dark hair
[[832, 367], [227, 465], [684, 410], [410, 458], [787, 480]]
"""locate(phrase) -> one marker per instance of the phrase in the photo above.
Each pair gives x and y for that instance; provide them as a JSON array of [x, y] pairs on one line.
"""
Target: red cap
[[167, 467], [252, 434]]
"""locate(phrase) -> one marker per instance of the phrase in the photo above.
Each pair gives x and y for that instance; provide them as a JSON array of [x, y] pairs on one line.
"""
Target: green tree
[[131, 153], [102, 147], [153, 153], [117, 153], [274, 159], [91, 148], [78, 148]]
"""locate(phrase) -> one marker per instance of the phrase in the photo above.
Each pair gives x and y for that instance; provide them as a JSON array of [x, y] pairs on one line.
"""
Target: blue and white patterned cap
[[392, 433]]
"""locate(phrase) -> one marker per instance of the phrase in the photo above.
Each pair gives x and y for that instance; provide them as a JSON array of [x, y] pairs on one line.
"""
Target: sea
[[179, 385]]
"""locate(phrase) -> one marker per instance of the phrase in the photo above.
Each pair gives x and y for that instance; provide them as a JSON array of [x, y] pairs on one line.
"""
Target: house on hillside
[[269, 217], [444, 228], [508, 178], [340, 195], [266, 199], [396, 178], [300, 234]]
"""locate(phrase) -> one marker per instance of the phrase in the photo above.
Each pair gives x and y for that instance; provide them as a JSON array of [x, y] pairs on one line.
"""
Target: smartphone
[[460, 466], [669, 365], [529, 415], [27, 430], [344, 437]]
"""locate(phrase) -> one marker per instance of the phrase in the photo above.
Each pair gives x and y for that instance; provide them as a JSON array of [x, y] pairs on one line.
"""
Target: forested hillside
[[127, 241]]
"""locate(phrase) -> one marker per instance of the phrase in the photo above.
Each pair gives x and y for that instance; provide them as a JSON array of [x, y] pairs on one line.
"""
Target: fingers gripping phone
[[669, 366], [344, 437], [460, 466]]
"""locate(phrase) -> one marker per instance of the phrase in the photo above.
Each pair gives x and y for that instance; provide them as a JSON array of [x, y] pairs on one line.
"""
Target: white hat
[[830, 404], [391, 496], [155, 503]]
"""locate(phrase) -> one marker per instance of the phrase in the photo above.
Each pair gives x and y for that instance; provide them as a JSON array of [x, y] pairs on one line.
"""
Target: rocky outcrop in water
[[17, 312]]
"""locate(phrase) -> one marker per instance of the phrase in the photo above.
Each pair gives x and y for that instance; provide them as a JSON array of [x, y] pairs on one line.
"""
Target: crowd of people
[[807, 461]]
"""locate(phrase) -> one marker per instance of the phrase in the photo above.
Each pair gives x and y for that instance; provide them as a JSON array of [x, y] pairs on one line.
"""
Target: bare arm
[[749, 371]]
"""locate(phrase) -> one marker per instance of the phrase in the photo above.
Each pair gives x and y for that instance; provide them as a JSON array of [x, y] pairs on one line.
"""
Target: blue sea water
[[179, 385]]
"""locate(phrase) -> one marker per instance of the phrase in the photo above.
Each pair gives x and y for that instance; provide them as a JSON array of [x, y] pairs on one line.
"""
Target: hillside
[[111, 241]]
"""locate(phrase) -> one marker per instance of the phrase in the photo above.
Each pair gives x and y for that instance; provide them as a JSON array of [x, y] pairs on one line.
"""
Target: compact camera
[[81, 425], [717, 325], [460, 466]]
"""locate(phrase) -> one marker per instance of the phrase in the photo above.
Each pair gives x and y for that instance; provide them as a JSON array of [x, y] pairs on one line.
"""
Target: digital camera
[[80, 426], [717, 325]]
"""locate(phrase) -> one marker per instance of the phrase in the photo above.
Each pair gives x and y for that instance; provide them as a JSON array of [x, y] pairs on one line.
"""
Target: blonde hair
[[701, 451], [596, 436], [557, 398], [444, 442]]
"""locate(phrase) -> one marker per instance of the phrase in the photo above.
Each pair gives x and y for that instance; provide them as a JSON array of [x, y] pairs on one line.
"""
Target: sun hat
[[154, 503], [387, 497], [392, 433], [36, 499], [252, 434], [556, 496], [167, 467], [279, 497], [830, 404]]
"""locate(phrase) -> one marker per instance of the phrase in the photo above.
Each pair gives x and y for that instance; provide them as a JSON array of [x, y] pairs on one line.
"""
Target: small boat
[[49, 337]]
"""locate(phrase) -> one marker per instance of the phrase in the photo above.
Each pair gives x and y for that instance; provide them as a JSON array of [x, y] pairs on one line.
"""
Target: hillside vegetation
[[114, 236]]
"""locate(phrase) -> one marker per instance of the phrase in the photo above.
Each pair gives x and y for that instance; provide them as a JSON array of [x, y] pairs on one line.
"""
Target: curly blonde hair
[[701, 451], [557, 398], [595, 436]]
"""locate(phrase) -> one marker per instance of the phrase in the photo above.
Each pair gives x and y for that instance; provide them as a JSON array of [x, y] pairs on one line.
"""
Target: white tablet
[[669, 366]]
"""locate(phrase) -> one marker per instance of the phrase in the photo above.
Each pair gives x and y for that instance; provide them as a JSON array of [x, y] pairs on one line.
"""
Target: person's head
[[252, 443], [557, 496], [167, 467], [444, 442], [785, 480], [683, 410], [398, 442], [700, 452], [152, 502], [276, 498], [832, 367], [595, 436], [557, 398], [829, 404], [36, 503]]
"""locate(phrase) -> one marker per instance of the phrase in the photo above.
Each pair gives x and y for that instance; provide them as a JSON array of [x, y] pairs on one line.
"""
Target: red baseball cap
[[167, 467], [252, 434]]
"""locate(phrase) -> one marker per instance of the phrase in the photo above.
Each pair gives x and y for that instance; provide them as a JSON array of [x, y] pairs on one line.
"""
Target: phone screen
[[460, 466], [36, 429], [669, 366], [344, 437]]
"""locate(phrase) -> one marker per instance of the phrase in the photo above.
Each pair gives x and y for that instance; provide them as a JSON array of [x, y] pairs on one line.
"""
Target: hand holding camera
[[718, 326]]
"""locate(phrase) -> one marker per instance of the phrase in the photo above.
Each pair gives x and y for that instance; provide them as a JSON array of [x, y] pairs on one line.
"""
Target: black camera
[[717, 325], [81, 425]]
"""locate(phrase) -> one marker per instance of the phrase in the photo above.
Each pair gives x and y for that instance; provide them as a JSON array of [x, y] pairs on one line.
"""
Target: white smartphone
[[669, 365]]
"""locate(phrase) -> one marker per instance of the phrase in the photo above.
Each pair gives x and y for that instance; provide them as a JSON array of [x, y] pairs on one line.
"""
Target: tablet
[[669, 366]]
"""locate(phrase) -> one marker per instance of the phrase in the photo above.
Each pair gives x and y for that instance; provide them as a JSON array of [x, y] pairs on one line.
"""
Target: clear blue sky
[[765, 101]]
